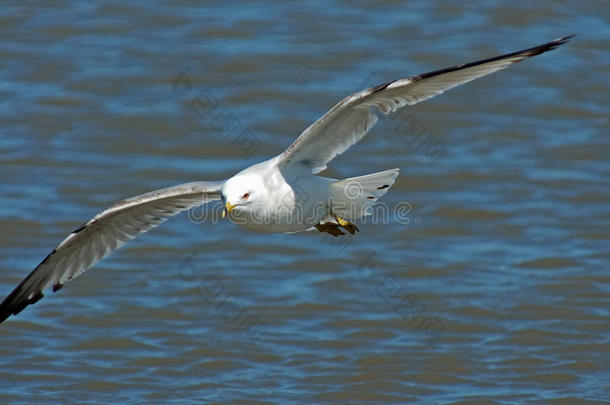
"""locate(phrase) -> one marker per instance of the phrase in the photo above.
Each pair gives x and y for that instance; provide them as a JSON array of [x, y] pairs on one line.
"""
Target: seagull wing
[[347, 122], [103, 234]]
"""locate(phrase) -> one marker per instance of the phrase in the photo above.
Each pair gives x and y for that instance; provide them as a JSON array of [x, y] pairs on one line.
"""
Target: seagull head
[[240, 192]]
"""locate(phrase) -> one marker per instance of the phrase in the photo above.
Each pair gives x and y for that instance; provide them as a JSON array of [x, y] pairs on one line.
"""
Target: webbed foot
[[331, 228]]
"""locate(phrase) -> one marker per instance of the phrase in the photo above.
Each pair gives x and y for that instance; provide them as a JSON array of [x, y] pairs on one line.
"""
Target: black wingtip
[[565, 39], [4, 315], [18, 299], [10, 307], [549, 46], [525, 53]]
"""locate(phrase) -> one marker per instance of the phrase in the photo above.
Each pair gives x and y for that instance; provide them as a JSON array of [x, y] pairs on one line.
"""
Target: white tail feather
[[355, 197]]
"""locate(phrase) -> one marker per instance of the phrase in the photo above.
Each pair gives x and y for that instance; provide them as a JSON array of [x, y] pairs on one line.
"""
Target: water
[[487, 283]]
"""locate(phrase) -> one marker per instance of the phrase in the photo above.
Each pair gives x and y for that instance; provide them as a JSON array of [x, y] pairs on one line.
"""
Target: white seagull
[[281, 194]]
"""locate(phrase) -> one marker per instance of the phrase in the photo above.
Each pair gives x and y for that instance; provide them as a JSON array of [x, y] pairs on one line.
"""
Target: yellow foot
[[348, 226], [329, 227]]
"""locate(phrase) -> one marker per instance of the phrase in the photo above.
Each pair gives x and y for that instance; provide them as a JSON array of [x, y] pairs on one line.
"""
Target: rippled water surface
[[485, 281]]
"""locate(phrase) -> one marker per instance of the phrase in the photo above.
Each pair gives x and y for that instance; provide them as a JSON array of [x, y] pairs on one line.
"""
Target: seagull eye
[[245, 196]]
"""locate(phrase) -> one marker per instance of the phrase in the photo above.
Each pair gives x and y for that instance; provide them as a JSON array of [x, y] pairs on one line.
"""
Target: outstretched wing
[[351, 119], [103, 234]]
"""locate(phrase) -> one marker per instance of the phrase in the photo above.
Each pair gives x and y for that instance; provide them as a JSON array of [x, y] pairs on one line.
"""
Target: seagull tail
[[354, 198]]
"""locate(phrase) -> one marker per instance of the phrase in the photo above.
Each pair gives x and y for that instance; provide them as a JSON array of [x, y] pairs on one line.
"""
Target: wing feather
[[103, 234], [350, 120]]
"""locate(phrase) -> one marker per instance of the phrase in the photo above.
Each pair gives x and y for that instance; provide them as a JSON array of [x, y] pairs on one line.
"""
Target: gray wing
[[351, 119], [103, 234]]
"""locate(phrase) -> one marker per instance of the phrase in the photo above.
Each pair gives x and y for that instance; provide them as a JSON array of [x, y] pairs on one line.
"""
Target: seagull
[[282, 194]]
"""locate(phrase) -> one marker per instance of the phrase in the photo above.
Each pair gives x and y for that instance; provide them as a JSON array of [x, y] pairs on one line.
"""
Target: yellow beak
[[228, 208]]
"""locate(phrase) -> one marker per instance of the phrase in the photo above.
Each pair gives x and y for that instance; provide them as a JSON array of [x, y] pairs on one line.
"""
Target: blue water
[[486, 281]]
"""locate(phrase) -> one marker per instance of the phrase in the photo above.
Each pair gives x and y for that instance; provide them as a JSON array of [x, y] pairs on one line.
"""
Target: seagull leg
[[331, 228], [348, 226]]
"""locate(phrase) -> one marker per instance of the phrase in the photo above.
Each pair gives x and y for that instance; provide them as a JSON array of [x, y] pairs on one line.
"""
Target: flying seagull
[[282, 194]]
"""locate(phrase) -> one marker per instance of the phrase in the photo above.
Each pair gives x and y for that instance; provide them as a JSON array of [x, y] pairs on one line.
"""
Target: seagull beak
[[228, 208]]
